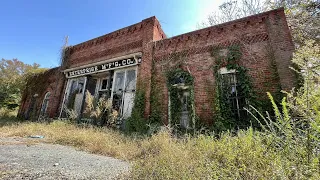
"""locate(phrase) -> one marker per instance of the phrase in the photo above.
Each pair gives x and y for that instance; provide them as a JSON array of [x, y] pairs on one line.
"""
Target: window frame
[[45, 103], [101, 84], [224, 71]]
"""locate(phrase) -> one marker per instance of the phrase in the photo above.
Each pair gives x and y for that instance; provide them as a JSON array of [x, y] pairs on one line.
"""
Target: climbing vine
[[36, 86], [224, 117], [137, 121], [65, 56], [273, 83], [155, 99], [175, 94]]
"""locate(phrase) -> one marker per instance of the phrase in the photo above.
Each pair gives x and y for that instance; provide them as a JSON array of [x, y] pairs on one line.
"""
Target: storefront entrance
[[123, 92], [119, 85]]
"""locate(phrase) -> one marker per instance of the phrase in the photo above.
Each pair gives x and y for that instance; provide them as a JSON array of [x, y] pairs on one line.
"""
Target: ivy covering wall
[[224, 117], [175, 94], [137, 121]]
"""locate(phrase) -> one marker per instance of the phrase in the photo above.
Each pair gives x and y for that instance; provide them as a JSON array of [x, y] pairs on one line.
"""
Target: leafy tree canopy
[[13, 75], [303, 15]]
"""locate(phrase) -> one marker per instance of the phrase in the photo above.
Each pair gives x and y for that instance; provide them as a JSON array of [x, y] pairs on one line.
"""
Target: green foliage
[[6, 113], [178, 72], [292, 137], [137, 122], [8, 117], [224, 118], [233, 56], [245, 155], [65, 55], [13, 79], [175, 93], [303, 19], [307, 60], [274, 78], [155, 100], [294, 130]]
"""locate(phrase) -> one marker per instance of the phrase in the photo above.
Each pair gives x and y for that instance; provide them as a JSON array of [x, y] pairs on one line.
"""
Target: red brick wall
[[118, 43], [50, 81], [262, 37], [282, 46], [135, 38], [151, 32], [257, 36]]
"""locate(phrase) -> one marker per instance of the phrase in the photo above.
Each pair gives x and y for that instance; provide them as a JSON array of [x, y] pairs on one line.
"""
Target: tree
[[234, 9], [303, 15], [13, 75], [303, 18]]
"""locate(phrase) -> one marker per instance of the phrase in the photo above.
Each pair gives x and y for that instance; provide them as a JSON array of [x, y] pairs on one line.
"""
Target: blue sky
[[33, 31]]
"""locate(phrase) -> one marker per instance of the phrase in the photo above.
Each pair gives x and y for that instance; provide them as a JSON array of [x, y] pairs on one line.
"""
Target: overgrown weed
[[245, 155], [8, 116]]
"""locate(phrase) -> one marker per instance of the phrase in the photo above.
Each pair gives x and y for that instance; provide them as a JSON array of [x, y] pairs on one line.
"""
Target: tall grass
[[8, 116], [246, 155], [91, 139]]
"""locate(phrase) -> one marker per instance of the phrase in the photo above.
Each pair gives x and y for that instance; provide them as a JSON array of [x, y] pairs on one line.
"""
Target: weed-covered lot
[[244, 155]]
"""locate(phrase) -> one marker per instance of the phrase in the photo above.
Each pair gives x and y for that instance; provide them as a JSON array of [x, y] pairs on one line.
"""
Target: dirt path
[[21, 158]]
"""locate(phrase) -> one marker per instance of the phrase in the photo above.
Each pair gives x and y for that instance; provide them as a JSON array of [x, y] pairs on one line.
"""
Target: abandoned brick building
[[178, 75]]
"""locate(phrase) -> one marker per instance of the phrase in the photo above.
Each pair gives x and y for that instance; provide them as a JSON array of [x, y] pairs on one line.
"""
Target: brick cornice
[[201, 49], [121, 33], [221, 30], [111, 51]]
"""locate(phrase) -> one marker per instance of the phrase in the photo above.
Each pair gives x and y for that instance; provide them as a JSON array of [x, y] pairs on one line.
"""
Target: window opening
[[124, 87], [118, 91], [91, 85], [104, 84], [45, 104], [131, 81], [181, 87], [74, 95], [231, 86]]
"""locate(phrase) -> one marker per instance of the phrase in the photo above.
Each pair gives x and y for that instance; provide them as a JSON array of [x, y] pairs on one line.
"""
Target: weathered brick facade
[[264, 39], [50, 81]]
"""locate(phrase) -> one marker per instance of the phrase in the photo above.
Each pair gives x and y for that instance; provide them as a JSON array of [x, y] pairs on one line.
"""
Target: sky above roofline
[[33, 31]]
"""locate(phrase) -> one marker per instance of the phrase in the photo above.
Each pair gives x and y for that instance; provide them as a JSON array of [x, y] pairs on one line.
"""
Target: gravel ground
[[22, 158]]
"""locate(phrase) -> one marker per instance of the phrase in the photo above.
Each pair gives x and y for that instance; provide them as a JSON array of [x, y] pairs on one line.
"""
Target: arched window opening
[[181, 99], [45, 104]]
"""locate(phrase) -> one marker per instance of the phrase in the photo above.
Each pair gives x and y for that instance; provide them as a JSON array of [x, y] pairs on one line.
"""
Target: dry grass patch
[[95, 140], [161, 156]]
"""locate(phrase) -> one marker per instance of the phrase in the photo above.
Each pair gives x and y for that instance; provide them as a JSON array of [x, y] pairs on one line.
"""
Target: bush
[[137, 122], [8, 113], [245, 155], [8, 116]]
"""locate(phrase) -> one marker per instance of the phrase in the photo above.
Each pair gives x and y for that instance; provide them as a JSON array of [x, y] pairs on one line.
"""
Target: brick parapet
[[255, 34], [251, 33]]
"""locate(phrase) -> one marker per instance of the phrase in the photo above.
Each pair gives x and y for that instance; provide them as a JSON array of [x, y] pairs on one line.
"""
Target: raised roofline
[[153, 18], [281, 9], [115, 32]]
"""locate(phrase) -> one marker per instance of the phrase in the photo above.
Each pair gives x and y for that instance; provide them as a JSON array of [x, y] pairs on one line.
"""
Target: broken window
[[124, 91], [74, 96], [230, 85], [45, 104], [104, 84]]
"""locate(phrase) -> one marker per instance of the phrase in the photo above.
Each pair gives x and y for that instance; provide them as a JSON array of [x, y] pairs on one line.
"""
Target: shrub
[[100, 110], [245, 155]]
